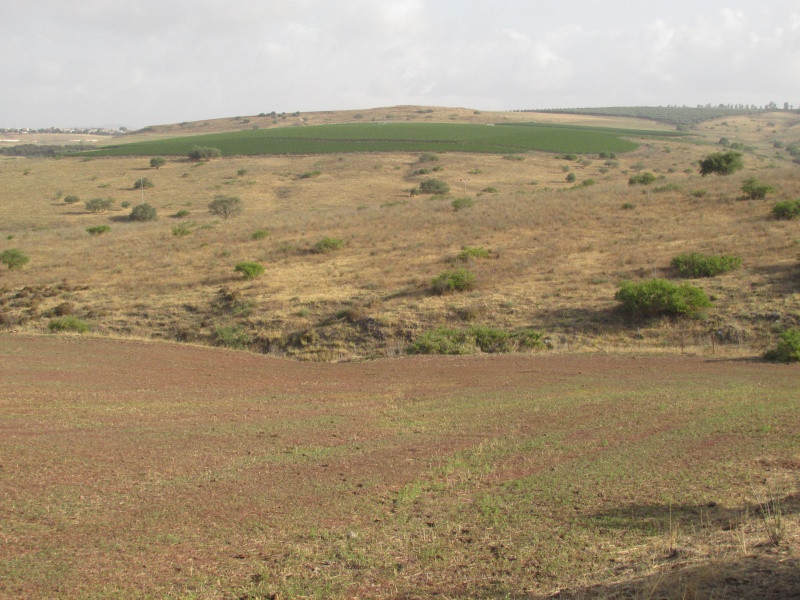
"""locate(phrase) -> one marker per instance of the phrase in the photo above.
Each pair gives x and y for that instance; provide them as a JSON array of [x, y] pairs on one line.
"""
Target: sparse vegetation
[[328, 244], [695, 264], [490, 340], [232, 336], [260, 234], [461, 203], [467, 253]]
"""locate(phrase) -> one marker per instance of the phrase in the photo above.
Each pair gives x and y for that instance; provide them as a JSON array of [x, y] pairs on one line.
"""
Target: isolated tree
[[143, 212], [157, 162], [13, 258], [143, 183], [98, 205], [721, 163], [226, 206]]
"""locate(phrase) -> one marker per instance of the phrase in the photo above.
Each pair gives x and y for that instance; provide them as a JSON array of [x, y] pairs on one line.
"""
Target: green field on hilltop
[[394, 137]]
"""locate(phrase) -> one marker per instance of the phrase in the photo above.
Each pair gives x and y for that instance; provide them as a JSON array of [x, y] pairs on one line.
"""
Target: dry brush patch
[[558, 252]]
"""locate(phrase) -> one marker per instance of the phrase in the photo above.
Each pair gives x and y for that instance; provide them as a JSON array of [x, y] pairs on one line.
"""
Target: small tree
[[143, 183], [204, 153], [72, 199], [143, 212], [13, 258], [98, 205], [434, 186], [645, 178], [754, 190], [226, 206], [721, 163], [157, 162]]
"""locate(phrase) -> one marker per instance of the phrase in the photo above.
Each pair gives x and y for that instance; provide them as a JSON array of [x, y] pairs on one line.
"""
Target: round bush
[[143, 212], [434, 186], [204, 153], [250, 270], [459, 280], [788, 348], [226, 206]]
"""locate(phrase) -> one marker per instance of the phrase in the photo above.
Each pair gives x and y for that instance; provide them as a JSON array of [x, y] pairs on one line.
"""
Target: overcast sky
[[146, 62]]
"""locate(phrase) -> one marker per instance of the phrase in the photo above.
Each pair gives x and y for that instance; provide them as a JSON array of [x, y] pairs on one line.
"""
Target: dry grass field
[[557, 250]]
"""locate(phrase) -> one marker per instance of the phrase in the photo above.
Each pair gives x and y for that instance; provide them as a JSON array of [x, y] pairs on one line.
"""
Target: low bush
[[157, 162], [181, 231], [143, 212], [695, 264], [68, 323], [571, 177], [181, 214], [72, 200], [645, 178], [427, 157], [445, 340], [754, 190], [98, 230], [199, 153], [489, 190], [786, 210], [260, 234], [459, 280], [460, 203], [788, 348], [309, 174], [434, 186], [721, 163], [661, 297], [468, 253], [250, 270], [328, 244], [231, 336], [13, 258]]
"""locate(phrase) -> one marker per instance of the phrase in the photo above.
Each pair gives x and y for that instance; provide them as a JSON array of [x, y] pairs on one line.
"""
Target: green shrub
[[13, 258], [661, 297], [98, 205], [181, 214], [628, 206], [181, 231], [143, 212], [424, 171], [143, 183], [250, 270], [260, 234], [157, 162], [309, 174], [241, 172], [98, 230], [571, 177], [528, 338], [695, 264], [468, 253], [786, 210], [670, 187], [231, 336], [427, 157], [489, 190], [570, 157], [72, 200], [754, 190], [226, 206], [459, 280], [328, 244], [68, 323], [125, 204], [460, 203], [434, 186], [491, 339], [788, 348], [721, 163], [642, 179], [699, 193], [204, 153], [443, 340]]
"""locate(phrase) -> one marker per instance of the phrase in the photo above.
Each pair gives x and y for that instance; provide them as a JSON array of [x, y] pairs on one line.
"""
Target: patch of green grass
[[68, 323], [695, 264], [328, 244], [458, 280]]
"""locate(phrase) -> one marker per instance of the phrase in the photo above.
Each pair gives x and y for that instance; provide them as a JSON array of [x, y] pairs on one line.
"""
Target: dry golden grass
[[558, 252]]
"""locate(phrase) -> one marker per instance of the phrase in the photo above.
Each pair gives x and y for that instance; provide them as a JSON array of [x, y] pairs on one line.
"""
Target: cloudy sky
[[144, 62]]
